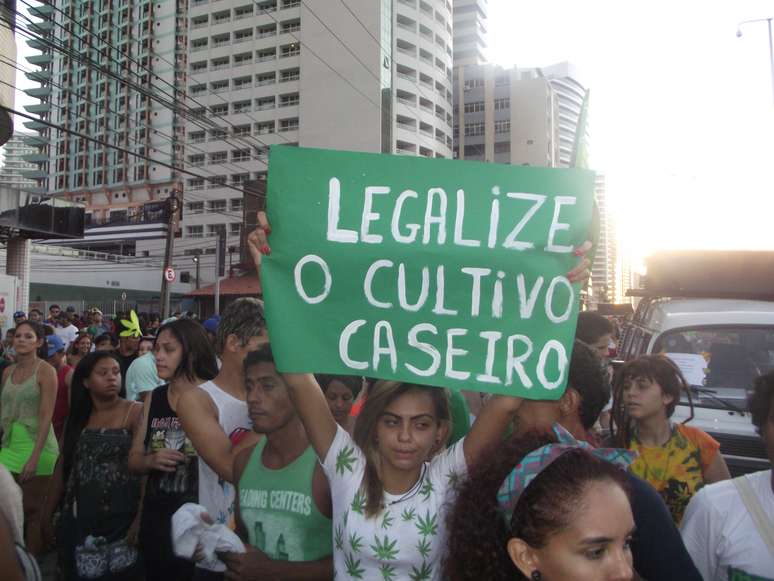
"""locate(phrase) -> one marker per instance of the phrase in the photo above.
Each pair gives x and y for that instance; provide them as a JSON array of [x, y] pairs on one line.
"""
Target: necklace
[[413, 491]]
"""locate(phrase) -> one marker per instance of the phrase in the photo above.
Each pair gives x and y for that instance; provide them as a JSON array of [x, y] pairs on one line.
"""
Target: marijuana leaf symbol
[[339, 537], [421, 574], [427, 525], [345, 459], [132, 326], [387, 571], [427, 489], [354, 569], [424, 547], [387, 520], [408, 514], [454, 478], [384, 550], [358, 503], [355, 542]]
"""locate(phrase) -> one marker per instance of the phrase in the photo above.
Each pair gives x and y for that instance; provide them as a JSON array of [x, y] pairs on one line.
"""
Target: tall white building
[[604, 280], [364, 76], [14, 165], [469, 32]]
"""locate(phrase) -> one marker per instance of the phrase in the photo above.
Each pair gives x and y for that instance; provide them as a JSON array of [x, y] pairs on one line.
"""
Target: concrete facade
[[7, 71], [14, 165], [469, 32], [604, 279]]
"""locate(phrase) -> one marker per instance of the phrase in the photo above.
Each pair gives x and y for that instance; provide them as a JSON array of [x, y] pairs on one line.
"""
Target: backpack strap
[[748, 496]]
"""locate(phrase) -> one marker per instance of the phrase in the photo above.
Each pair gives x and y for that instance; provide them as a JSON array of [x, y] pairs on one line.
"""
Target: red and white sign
[[169, 274]]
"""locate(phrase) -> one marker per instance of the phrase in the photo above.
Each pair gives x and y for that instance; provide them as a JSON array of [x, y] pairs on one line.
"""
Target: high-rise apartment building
[[14, 165], [112, 71], [363, 76], [469, 32], [245, 75], [604, 283], [517, 116]]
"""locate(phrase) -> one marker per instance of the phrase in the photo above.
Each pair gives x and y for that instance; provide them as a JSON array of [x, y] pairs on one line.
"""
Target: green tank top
[[20, 403], [278, 509]]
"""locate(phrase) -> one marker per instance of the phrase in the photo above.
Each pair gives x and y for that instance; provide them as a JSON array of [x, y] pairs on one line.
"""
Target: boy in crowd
[[283, 502], [214, 416]]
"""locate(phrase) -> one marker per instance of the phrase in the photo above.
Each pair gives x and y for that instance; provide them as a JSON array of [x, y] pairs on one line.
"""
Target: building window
[[264, 104], [235, 228], [195, 184], [195, 231], [243, 35], [243, 59], [290, 3], [474, 129], [236, 203], [290, 75], [267, 54], [240, 155], [241, 130], [238, 179], [195, 207], [221, 109], [196, 160], [503, 147], [503, 126], [289, 100], [264, 128], [288, 50], [288, 124], [196, 137], [242, 83], [241, 107], [290, 26], [219, 157], [243, 12], [474, 107], [216, 205], [219, 87], [473, 83], [502, 104], [215, 229]]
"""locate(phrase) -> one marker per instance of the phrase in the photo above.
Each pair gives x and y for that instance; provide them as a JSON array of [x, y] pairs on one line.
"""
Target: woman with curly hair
[[571, 516], [675, 458]]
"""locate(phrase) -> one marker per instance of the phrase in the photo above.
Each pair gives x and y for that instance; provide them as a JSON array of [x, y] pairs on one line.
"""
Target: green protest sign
[[432, 271]]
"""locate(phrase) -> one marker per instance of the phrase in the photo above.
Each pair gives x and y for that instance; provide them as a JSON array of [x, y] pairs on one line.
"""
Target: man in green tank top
[[283, 502]]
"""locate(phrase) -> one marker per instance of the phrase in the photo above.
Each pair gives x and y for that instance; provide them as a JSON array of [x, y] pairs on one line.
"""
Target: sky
[[681, 110]]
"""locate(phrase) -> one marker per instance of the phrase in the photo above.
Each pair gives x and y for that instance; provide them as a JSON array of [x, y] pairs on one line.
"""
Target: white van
[[721, 345]]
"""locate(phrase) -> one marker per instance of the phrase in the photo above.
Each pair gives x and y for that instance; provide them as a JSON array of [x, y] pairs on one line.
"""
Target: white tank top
[[217, 495]]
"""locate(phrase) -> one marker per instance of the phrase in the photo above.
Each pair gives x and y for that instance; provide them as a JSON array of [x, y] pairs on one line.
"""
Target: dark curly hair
[[761, 400], [656, 368], [478, 533], [352, 382]]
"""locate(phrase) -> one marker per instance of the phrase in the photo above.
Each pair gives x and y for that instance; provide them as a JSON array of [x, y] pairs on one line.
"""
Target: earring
[[536, 576]]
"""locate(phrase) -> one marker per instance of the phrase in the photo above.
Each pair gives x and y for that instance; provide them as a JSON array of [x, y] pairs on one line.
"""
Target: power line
[[153, 74], [118, 148]]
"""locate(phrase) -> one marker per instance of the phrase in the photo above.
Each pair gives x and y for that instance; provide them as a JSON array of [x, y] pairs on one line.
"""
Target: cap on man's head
[[19, 315], [55, 345]]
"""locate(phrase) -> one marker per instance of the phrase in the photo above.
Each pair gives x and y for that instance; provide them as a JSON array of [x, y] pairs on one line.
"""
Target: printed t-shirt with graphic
[[407, 539], [169, 489], [721, 536], [676, 469], [278, 510], [215, 494]]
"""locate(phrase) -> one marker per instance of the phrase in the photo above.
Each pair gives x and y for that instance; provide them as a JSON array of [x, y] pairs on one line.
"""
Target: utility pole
[[173, 205], [220, 267]]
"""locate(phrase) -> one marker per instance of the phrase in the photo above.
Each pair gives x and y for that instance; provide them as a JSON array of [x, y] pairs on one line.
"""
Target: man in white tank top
[[215, 417]]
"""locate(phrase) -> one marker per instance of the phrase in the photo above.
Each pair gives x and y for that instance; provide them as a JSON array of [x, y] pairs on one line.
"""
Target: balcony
[[150, 213]]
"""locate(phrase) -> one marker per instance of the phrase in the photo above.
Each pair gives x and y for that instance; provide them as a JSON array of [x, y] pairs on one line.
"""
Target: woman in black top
[[185, 359]]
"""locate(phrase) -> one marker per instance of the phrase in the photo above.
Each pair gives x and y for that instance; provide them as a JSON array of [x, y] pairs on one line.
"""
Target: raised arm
[[313, 410], [489, 427], [199, 417]]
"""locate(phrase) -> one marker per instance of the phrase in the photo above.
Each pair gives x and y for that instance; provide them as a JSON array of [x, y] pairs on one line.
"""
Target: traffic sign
[[169, 274], [123, 296]]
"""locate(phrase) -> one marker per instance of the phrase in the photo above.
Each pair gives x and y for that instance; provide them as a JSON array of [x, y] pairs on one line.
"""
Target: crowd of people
[[117, 457]]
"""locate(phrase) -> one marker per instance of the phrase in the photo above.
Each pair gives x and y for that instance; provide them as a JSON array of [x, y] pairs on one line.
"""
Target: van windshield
[[724, 360]]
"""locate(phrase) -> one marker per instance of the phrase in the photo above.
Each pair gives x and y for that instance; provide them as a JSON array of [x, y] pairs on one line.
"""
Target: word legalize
[[430, 271]]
